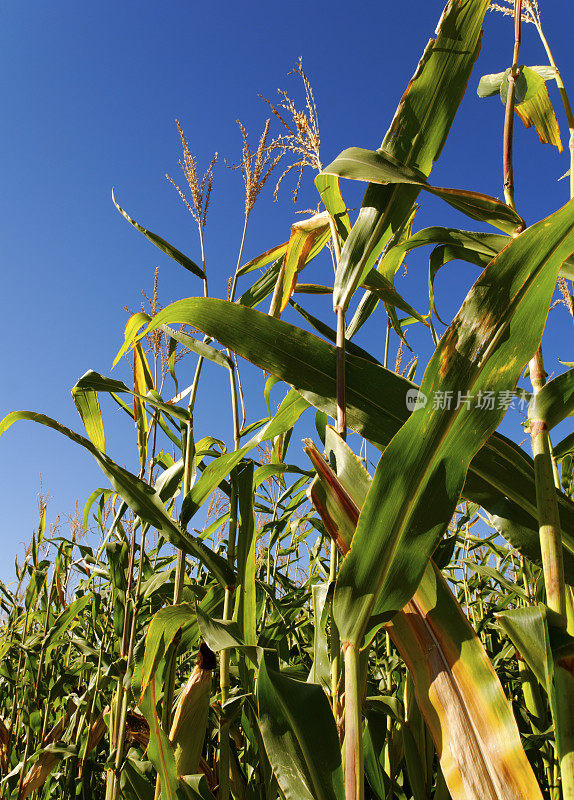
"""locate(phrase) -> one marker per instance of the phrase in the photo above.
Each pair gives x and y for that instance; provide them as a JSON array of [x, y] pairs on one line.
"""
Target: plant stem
[[509, 114], [551, 549], [548, 513], [354, 781]]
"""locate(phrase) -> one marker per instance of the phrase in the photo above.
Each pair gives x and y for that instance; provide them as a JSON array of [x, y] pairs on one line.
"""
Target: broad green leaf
[[376, 397], [300, 736], [143, 500], [416, 487], [164, 246], [527, 629], [375, 166], [161, 632], [416, 137], [481, 753]]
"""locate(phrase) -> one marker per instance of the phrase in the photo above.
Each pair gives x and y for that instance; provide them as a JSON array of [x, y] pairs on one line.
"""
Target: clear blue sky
[[89, 95]]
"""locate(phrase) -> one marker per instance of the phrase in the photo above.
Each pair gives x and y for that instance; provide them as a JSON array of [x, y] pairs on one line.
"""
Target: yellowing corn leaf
[[307, 239], [458, 691]]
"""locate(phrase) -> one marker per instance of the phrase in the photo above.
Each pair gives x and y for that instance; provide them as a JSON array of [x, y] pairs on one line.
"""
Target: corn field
[[384, 611]]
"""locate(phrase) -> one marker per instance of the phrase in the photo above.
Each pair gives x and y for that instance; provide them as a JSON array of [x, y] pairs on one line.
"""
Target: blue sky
[[89, 97]]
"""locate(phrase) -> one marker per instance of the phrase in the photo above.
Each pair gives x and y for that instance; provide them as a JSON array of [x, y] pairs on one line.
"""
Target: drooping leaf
[[330, 191], [416, 488], [139, 496], [376, 397], [375, 166], [416, 137], [88, 406], [308, 238], [555, 401]]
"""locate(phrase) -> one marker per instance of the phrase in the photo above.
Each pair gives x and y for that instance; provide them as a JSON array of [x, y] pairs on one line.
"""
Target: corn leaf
[[379, 167], [555, 401], [300, 736], [308, 238], [417, 486], [458, 692], [376, 399], [416, 137], [164, 246], [88, 406], [247, 539], [139, 496]]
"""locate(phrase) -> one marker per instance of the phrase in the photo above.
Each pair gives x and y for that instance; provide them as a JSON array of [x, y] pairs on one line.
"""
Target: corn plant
[[256, 620]]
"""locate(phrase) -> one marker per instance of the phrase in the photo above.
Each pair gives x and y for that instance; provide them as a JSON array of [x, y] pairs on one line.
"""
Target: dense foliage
[[255, 622]]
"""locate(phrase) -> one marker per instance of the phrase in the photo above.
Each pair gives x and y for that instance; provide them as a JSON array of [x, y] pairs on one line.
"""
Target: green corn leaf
[[458, 692], [330, 191], [376, 398], [555, 401], [384, 290], [246, 542], [262, 287], [300, 736], [161, 632], [287, 415], [416, 137], [143, 500], [94, 382], [379, 167], [416, 487], [160, 751], [164, 246]]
